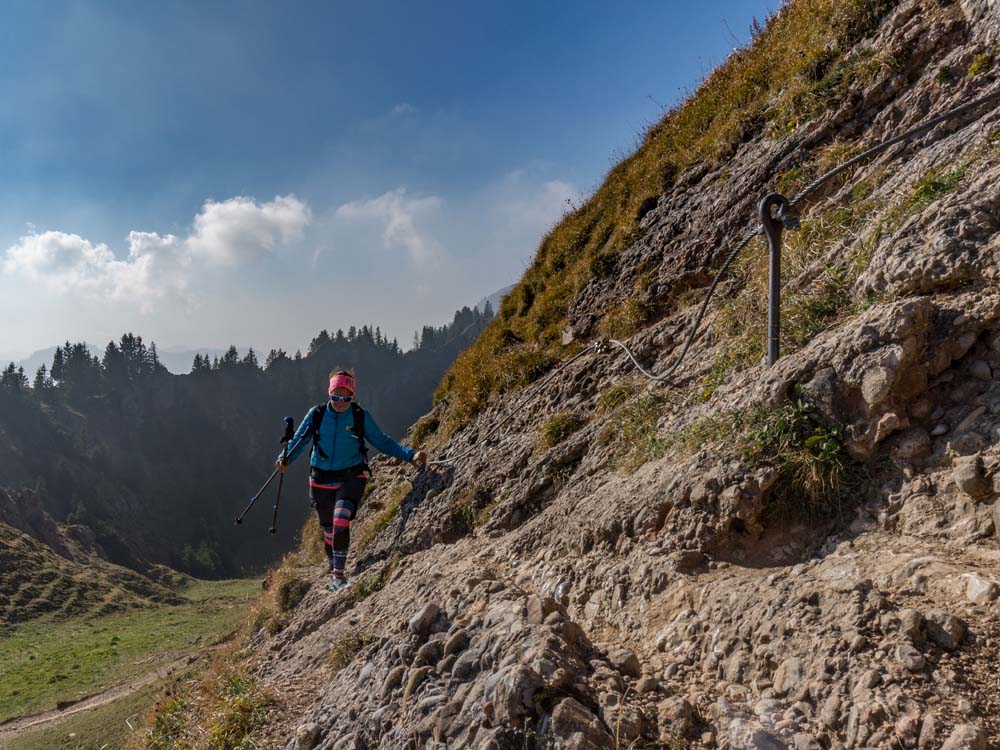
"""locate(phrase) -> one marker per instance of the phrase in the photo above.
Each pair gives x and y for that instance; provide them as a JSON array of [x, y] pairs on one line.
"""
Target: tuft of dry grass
[[221, 708], [559, 427], [371, 527]]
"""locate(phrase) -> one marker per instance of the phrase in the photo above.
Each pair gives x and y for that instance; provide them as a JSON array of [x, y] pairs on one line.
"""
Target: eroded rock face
[[674, 603]]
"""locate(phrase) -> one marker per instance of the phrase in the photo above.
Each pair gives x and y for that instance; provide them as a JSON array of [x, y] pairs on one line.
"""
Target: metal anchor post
[[773, 226]]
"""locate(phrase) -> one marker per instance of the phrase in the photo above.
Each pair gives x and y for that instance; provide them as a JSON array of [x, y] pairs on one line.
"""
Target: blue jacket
[[339, 442]]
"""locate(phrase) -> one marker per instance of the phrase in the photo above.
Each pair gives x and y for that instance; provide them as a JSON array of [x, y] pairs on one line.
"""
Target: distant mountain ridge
[[178, 358]]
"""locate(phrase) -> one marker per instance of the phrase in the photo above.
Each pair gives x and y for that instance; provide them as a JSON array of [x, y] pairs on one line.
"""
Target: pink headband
[[342, 381]]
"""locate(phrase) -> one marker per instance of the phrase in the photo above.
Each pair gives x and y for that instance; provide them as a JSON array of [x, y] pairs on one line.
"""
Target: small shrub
[[981, 64], [935, 184], [168, 725], [223, 709], [807, 451], [945, 76], [274, 624], [618, 394], [635, 429], [603, 264], [559, 427], [241, 711], [466, 510]]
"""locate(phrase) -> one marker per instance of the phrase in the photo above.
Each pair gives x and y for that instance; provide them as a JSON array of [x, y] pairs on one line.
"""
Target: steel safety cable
[[802, 195]]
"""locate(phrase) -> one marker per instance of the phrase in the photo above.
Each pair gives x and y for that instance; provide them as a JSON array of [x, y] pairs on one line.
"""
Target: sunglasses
[[345, 399]]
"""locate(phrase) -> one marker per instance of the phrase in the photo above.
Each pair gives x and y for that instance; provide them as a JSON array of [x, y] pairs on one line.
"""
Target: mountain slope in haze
[[159, 465], [803, 556]]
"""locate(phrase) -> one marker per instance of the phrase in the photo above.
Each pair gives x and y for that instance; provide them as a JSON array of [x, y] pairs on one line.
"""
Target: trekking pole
[[239, 518], [289, 430]]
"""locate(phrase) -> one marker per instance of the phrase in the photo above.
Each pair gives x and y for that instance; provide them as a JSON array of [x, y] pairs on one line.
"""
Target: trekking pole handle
[[289, 431]]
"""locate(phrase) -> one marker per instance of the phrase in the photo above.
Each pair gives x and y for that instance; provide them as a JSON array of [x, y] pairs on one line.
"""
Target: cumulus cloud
[[61, 261], [397, 215], [240, 230], [159, 267]]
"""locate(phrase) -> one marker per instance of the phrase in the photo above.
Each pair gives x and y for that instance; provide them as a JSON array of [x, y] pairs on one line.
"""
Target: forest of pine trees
[[77, 375], [156, 463]]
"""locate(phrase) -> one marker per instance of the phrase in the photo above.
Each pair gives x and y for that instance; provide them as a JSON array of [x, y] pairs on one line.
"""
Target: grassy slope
[[36, 583], [104, 728], [43, 663], [794, 69]]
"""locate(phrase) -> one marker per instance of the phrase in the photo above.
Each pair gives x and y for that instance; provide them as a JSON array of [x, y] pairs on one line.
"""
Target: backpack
[[358, 429]]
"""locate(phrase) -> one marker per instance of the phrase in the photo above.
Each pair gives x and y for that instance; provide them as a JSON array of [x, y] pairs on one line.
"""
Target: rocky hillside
[[802, 557]]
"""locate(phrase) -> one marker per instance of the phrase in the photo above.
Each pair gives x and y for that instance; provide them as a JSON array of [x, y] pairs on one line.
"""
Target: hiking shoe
[[336, 584]]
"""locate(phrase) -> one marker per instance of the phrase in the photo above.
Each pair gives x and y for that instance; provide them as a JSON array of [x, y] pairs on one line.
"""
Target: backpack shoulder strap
[[359, 432], [318, 413]]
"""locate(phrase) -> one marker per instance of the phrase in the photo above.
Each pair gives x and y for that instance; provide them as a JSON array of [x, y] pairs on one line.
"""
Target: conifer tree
[[250, 360]]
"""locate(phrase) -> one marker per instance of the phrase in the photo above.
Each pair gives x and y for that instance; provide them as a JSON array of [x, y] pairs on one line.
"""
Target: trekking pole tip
[[273, 530], [239, 521]]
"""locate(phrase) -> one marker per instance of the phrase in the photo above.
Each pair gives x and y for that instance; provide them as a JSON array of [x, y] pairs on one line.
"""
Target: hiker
[[338, 465]]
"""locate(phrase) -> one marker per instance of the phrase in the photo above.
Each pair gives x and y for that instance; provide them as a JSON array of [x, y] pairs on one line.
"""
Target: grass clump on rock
[[397, 494], [559, 427]]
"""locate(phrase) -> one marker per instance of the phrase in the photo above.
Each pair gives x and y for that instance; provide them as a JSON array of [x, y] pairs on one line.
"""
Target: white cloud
[[397, 216], [158, 267], [238, 230], [61, 261]]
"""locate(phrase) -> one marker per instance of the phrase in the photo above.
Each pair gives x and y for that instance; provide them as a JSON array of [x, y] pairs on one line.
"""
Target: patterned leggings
[[336, 503]]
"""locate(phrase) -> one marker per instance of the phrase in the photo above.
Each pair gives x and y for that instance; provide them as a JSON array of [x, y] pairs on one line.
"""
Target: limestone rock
[[306, 736], [970, 477], [910, 658], [945, 629], [966, 737], [625, 662], [421, 622], [979, 590], [570, 718]]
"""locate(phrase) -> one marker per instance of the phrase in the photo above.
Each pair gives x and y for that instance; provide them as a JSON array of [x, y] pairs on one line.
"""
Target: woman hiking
[[338, 465]]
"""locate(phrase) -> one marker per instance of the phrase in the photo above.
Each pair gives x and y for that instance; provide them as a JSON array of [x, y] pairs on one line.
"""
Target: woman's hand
[[419, 458], [281, 465]]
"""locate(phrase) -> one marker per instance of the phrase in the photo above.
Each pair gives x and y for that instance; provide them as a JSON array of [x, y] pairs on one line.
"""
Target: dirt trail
[[13, 727]]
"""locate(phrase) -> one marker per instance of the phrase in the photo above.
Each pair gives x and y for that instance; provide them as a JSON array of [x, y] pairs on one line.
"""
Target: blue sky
[[242, 172]]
